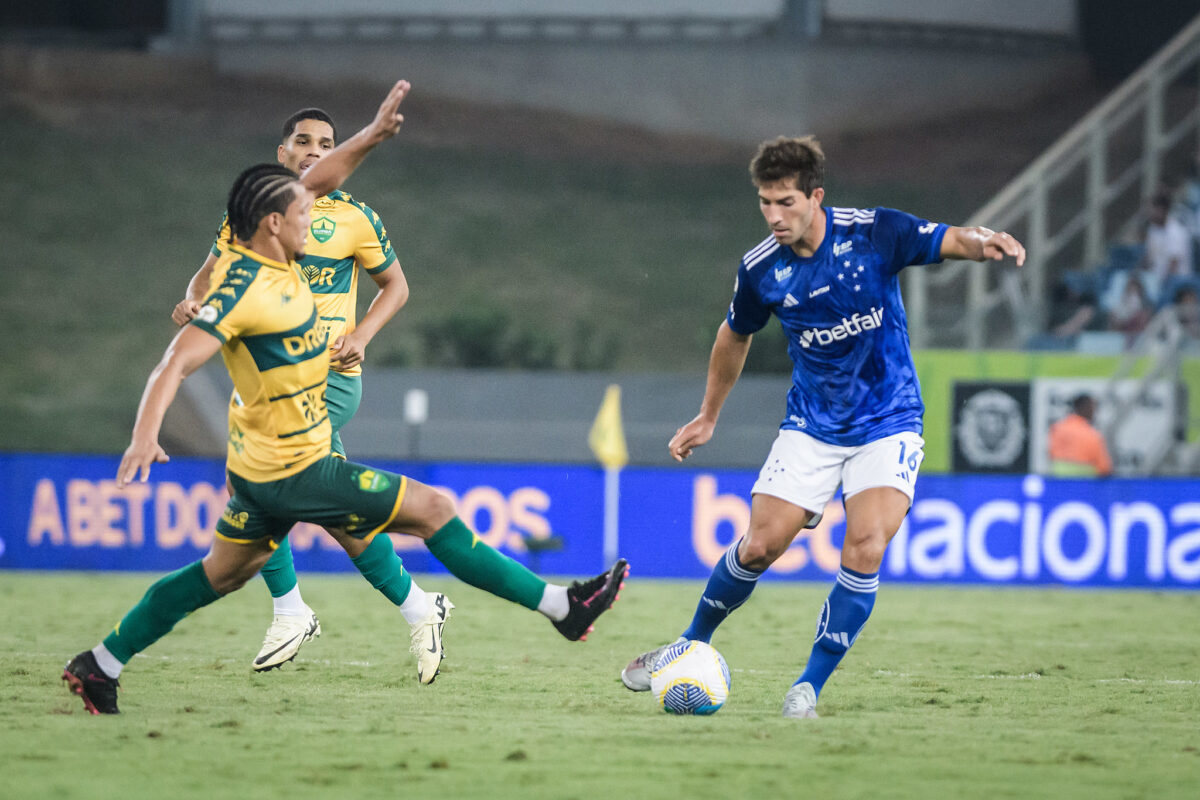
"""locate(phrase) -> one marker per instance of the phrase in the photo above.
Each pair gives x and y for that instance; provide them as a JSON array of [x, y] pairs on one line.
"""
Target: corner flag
[[607, 438]]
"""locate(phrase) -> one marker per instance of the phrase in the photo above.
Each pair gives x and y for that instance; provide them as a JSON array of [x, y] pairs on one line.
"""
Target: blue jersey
[[853, 379]]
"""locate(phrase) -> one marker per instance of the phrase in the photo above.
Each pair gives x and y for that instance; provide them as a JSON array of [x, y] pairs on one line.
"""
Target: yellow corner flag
[[607, 438]]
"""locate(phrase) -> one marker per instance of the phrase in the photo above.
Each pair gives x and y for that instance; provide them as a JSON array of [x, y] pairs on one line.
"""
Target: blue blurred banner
[[66, 513]]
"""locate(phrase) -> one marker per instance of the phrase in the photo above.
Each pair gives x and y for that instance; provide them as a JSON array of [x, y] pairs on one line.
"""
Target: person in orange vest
[[1076, 447]]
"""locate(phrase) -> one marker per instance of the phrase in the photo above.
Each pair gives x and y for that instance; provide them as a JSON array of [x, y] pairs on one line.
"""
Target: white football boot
[[427, 643], [636, 675], [800, 702], [284, 638]]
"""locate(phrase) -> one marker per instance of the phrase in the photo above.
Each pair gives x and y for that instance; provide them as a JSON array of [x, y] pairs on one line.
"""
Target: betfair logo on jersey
[[841, 248], [311, 339], [371, 481], [848, 327], [322, 229]]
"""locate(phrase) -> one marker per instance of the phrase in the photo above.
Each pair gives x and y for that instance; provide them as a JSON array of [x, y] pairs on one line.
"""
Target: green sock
[[280, 571], [383, 569], [167, 601], [473, 562]]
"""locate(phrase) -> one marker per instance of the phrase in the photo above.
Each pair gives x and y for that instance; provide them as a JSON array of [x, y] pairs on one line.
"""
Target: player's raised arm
[[724, 368], [190, 348], [331, 171], [981, 244]]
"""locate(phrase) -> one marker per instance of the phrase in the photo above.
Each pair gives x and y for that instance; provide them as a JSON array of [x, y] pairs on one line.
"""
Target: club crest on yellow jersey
[[322, 229]]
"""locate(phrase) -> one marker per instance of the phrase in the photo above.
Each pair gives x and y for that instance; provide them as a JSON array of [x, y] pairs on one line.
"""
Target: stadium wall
[[65, 512], [739, 91]]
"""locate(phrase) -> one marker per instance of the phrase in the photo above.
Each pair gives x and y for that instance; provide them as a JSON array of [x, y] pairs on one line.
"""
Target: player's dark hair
[[260, 190], [783, 158], [1082, 402], [289, 127]]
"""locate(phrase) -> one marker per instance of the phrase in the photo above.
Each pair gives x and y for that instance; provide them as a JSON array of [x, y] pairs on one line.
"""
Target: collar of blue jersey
[[266, 262]]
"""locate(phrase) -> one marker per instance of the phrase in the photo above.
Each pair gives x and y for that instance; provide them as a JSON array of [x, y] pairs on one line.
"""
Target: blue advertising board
[[65, 512]]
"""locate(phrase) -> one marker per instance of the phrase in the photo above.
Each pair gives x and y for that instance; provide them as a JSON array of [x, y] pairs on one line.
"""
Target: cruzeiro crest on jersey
[[322, 229]]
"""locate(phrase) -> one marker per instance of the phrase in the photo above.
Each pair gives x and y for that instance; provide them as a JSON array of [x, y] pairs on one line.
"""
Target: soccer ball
[[690, 678]]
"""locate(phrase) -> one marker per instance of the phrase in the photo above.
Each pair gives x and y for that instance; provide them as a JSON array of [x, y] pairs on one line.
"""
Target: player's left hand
[[137, 459], [1000, 244], [388, 120], [347, 352]]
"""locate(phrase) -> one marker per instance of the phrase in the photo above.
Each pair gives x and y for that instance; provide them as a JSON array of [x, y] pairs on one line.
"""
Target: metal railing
[[1082, 193]]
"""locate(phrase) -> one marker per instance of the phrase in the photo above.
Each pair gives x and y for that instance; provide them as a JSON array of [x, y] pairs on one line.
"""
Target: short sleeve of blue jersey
[[905, 240], [747, 314]]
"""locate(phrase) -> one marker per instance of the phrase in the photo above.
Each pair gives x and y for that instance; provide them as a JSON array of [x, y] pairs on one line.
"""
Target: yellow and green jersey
[[275, 349], [343, 233]]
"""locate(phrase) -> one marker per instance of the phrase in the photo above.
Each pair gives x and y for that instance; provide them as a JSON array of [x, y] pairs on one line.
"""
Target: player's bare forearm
[[393, 294], [197, 288], [981, 244], [186, 353], [725, 365], [332, 171], [198, 285]]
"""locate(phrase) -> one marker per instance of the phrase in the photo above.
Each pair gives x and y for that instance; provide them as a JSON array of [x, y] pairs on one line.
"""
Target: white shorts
[[806, 472]]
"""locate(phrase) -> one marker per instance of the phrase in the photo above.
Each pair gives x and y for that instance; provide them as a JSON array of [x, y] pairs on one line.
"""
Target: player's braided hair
[[260, 190], [783, 158]]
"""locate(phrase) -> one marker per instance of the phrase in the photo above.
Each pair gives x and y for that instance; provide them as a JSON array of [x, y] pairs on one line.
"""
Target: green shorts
[[343, 394], [332, 493]]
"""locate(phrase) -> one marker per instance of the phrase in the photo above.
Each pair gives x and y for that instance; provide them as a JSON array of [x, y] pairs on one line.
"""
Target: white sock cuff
[[735, 567], [554, 604], [107, 661], [416, 606], [858, 584], [290, 604]]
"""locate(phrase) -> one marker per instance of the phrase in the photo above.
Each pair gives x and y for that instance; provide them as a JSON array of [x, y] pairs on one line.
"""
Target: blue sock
[[841, 621], [728, 587]]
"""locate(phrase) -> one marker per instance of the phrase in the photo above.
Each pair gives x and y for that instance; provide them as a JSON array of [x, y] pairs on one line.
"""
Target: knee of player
[[230, 579], [426, 509], [864, 548], [758, 553]]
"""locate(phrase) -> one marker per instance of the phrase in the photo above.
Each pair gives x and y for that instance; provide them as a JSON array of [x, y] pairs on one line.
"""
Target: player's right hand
[[138, 458], [388, 119], [690, 436], [185, 311]]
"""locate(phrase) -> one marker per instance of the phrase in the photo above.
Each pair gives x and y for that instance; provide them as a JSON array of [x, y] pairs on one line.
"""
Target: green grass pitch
[[949, 692]]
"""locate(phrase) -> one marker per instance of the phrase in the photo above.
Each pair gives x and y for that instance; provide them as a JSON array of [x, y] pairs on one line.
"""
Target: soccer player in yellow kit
[[343, 235], [263, 319]]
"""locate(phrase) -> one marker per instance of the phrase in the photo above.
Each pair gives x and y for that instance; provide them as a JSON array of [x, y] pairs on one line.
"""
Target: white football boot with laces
[[800, 702], [427, 643], [284, 638]]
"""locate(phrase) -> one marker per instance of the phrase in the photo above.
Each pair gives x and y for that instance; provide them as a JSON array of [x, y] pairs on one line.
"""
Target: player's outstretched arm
[[332, 171], [189, 306], [190, 348], [981, 244], [724, 368]]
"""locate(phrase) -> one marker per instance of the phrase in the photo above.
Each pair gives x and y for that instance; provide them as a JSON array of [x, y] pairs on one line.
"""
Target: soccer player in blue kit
[[854, 409]]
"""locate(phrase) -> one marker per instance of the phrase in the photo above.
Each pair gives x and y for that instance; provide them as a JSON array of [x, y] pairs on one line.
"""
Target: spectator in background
[[1168, 246], [1076, 447], [1186, 304], [1132, 313]]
